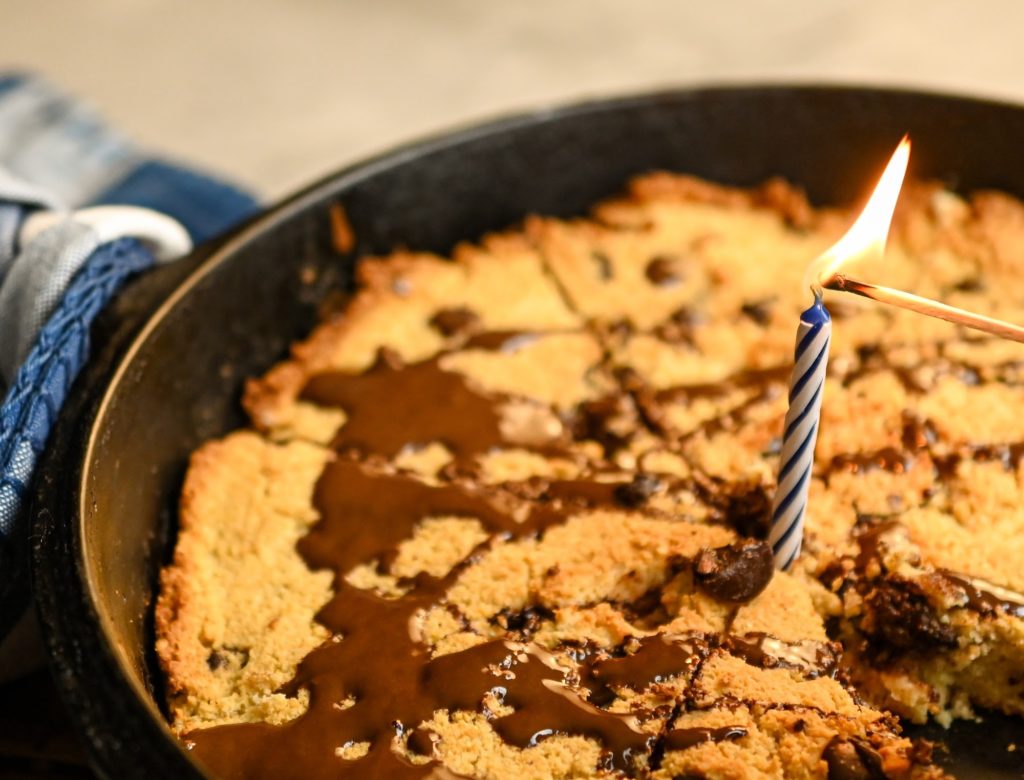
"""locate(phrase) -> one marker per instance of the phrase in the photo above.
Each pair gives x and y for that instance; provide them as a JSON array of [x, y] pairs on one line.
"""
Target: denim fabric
[[205, 206]]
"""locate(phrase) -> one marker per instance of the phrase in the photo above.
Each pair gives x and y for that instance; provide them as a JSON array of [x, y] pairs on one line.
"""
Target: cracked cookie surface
[[501, 518]]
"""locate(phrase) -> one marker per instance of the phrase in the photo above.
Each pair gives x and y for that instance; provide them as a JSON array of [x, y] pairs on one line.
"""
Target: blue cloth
[[205, 206], [42, 383], [59, 146]]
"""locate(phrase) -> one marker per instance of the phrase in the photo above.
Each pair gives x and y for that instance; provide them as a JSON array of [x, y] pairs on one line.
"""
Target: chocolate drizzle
[[684, 739], [904, 614], [977, 594], [813, 659], [656, 659], [869, 543], [374, 685], [385, 408], [983, 597], [378, 662], [364, 516]]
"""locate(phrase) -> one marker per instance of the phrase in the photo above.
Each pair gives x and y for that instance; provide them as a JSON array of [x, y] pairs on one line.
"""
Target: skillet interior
[[162, 384]]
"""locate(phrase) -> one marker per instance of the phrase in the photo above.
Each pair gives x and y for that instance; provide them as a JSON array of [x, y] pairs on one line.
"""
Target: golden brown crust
[[235, 611]]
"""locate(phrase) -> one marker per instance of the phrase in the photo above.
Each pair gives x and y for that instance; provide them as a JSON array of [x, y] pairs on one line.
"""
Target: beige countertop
[[277, 93]]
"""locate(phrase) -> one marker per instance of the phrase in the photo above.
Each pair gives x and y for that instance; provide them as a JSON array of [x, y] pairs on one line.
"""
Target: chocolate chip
[[421, 742], [680, 327], [663, 271], [759, 311], [605, 269], [610, 421], [386, 356], [525, 621], [870, 757], [736, 572], [234, 657], [901, 618], [644, 606], [845, 763], [916, 435], [456, 321], [867, 352], [619, 329], [970, 284], [635, 493]]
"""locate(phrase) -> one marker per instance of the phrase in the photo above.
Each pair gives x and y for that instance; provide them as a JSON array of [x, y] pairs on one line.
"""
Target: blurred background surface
[[277, 93]]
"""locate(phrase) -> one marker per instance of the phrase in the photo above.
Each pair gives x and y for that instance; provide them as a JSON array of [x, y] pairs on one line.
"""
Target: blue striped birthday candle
[[800, 433], [865, 238]]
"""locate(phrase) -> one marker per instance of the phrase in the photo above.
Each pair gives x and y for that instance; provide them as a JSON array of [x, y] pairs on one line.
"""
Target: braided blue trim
[[41, 385]]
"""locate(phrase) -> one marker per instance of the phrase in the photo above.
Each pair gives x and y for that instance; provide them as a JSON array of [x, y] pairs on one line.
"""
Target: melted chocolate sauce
[[981, 596], [683, 739], [657, 658], [365, 516], [916, 437], [813, 659], [902, 617], [636, 492], [378, 662], [544, 704], [611, 421], [373, 683], [869, 544], [500, 340], [393, 405], [421, 742]]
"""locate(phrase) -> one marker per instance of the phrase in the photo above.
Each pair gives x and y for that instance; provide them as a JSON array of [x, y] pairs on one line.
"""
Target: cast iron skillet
[[176, 347]]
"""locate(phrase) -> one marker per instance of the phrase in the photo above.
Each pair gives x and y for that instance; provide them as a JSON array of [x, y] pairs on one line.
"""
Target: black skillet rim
[[122, 737]]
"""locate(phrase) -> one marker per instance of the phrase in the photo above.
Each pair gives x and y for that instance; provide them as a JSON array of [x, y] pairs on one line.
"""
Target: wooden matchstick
[[927, 306]]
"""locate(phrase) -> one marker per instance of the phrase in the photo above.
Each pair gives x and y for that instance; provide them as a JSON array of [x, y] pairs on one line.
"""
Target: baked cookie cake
[[504, 516]]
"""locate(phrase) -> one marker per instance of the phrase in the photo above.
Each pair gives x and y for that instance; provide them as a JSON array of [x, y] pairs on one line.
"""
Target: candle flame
[[868, 233]]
